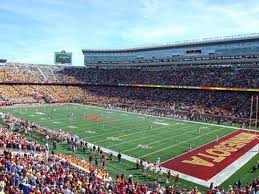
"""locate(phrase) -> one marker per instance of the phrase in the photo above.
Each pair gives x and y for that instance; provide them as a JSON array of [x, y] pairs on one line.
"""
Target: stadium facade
[[237, 50]]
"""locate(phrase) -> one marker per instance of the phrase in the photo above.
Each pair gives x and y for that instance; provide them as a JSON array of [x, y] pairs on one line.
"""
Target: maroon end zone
[[207, 161]]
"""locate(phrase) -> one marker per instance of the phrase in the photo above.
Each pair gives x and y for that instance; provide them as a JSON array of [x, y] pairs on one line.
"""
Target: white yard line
[[161, 140], [90, 132], [105, 134], [179, 129], [114, 132], [160, 123], [159, 120], [39, 113], [179, 143], [195, 148], [56, 122], [139, 132], [72, 127]]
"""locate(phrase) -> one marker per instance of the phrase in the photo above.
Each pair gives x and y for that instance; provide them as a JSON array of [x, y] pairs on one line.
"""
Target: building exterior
[[241, 49]]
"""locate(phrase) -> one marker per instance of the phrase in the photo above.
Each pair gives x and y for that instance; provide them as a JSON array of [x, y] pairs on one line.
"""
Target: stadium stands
[[188, 76], [37, 174], [191, 104], [210, 76], [10, 140], [23, 84]]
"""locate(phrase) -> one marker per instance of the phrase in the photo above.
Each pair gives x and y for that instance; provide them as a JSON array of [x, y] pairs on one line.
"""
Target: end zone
[[217, 160]]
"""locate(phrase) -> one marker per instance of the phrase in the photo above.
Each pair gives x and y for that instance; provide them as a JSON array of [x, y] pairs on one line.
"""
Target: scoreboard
[[63, 57]]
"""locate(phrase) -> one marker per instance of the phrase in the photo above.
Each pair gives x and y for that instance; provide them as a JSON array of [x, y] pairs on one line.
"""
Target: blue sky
[[32, 30]]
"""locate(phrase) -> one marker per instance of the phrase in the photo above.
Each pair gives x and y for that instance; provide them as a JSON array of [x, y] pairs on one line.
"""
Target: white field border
[[234, 166], [217, 179]]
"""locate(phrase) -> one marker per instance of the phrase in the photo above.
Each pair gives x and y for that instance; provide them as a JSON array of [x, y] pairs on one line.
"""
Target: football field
[[133, 134]]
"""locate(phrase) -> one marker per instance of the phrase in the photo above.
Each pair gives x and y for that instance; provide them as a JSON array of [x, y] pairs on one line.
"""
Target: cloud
[[32, 30], [146, 35], [150, 8], [242, 20]]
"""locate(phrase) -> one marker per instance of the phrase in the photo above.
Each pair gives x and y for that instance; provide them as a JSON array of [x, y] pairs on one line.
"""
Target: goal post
[[251, 112], [256, 113]]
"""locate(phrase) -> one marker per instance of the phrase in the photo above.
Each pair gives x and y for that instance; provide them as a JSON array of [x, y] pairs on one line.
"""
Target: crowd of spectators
[[12, 74], [38, 174], [10, 140], [23, 94], [186, 104], [25, 127], [186, 76], [209, 76], [190, 104]]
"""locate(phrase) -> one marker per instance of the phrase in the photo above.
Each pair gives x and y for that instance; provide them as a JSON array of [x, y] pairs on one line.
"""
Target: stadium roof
[[186, 43]]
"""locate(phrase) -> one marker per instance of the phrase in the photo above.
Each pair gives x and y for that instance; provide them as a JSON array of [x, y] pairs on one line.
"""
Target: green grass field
[[133, 134]]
